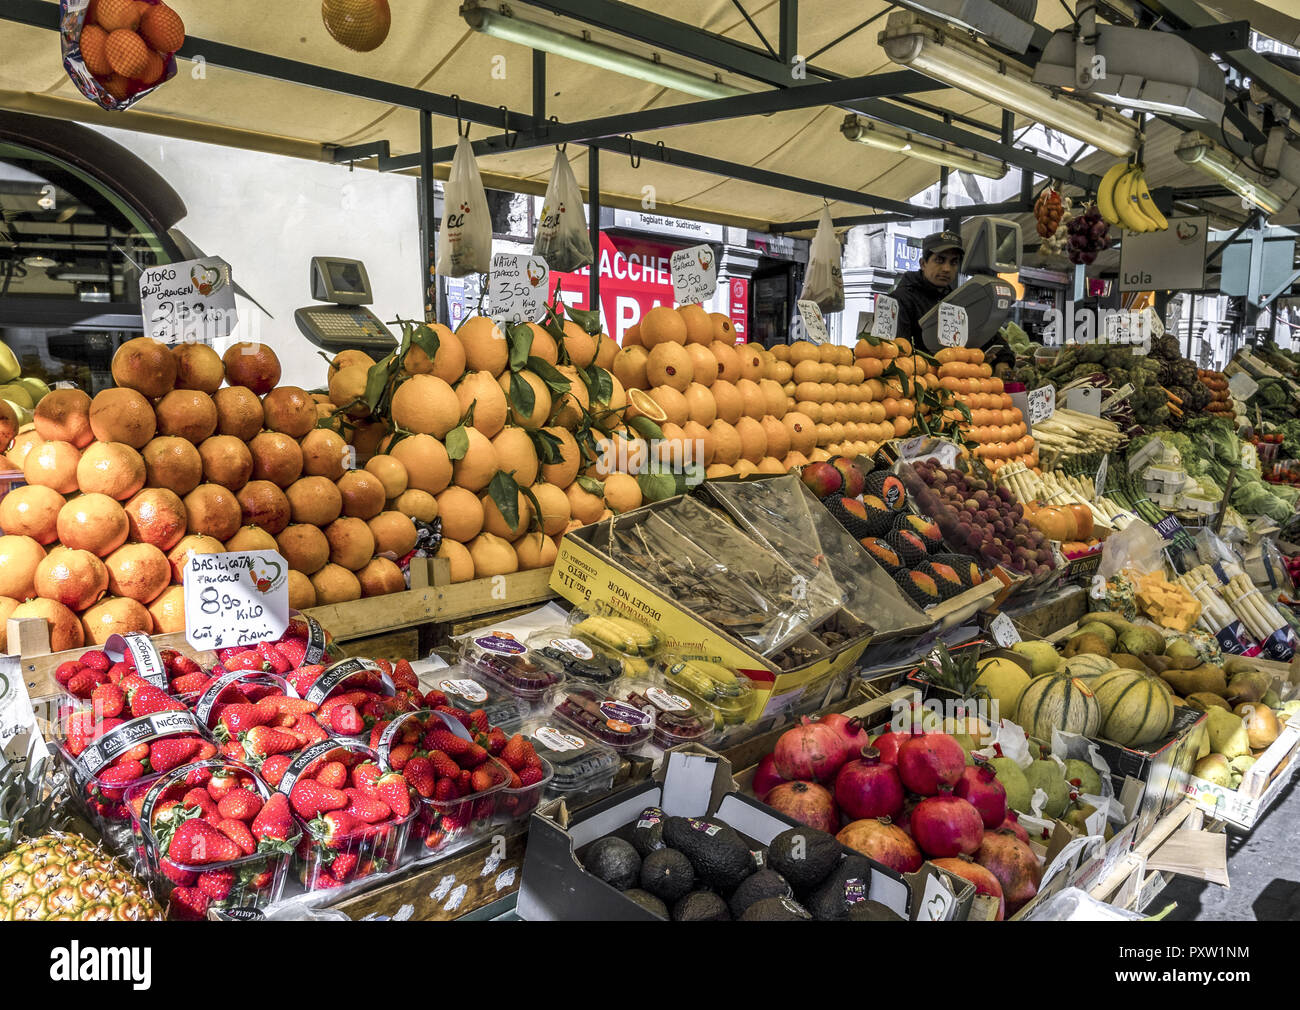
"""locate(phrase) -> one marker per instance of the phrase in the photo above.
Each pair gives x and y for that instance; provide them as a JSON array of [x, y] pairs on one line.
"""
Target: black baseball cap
[[942, 241]]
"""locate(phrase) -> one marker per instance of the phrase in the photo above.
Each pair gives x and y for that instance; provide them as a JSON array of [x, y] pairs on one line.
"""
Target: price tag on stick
[[1003, 631], [517, 287], [885, 324], [188, 302], [954, 325], [235, 599], [1041, 403], [695, 274], [814, 323]]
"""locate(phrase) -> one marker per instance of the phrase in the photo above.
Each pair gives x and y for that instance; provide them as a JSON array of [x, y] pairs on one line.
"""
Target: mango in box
[[1167, 603]]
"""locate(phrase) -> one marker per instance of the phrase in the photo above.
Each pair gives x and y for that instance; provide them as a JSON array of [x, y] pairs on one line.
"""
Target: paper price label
[[1003, 631], [189, 302], [517, 287], [1099, 483], [814, 323], [695, 274], [235, 599], [954, 325], [885, 324], [1084, 399], [1041, 403], [1242, 386]]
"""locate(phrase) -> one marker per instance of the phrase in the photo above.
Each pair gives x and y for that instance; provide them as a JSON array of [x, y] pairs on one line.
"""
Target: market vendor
[[918, 291]]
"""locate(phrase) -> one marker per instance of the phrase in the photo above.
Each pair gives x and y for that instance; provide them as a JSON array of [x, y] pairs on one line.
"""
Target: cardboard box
[[694, 782], [593, 580], [1260, 786]]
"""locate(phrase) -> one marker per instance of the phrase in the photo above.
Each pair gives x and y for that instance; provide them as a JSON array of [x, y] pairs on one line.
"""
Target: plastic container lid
[[678, 718], [614, 723], [580, 762], [466, 688], [513, 666], [728, 694]]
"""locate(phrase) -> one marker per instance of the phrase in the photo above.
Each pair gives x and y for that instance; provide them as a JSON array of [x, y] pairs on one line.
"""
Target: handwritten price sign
[[954, 325], [814, 323], [695, 274], [518, 287], [193, 301], [235, 599], [1042, 404], [885, 325]]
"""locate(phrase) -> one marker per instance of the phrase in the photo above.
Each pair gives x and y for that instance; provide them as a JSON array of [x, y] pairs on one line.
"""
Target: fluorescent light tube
[[887, 138]]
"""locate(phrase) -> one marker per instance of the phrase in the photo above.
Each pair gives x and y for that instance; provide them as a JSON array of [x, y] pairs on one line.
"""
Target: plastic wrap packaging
[[1074, 905], [785, 515], [707, 566], [107, 90]]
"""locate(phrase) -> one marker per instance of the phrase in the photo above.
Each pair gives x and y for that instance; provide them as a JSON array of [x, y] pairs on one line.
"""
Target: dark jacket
[[916, 296]]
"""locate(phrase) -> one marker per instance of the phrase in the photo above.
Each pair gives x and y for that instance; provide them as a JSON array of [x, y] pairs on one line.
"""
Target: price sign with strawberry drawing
[[695, 274], [235, 599], [189, 302], [517, 287]]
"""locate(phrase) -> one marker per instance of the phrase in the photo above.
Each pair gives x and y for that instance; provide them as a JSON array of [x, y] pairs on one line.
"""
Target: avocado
[[667, 874], [804, 856], [720, 856], [647, 901], [648, 832], [847, 884], [776, 910], [760, 885], [701, 906], [873, 911], [615, 862]]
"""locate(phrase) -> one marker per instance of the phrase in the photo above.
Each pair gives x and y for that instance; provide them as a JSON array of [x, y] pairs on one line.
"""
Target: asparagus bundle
[[1215, 613], [1059, 488], [1259, 616], [1072, 433]]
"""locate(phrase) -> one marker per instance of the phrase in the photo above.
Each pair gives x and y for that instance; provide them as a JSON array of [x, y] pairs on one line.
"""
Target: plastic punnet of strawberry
[[256, 716], [356, 817], [212, 835], [94, 668]]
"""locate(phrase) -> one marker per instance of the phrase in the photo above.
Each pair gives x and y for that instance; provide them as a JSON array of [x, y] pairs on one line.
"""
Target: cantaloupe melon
[[1087, 667], [1057, 701], [1134, 709]]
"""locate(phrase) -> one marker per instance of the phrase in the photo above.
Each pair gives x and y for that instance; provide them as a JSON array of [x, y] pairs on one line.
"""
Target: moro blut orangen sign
[[235, 599]]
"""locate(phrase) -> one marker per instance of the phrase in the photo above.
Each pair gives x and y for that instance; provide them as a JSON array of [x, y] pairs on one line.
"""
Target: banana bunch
[[1123, 199], [726, 692], [619, 634]]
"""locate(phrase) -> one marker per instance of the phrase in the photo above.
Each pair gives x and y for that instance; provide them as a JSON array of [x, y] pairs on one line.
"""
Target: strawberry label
[[501, 644], [148, 663], [315, 642], [309, 756], [573, 646], [558, 740], [341, 671], [667, 702], [624, 718], [470, 690], [208, 699], [145, 729]]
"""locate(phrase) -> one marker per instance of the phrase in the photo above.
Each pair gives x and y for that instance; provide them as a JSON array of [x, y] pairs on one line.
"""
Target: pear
[[1110, 619], [1205, 700], [1005, 679], [1137, 641], [1243, 763], [1271, 699], [1214, 769], [9, 367], [1180, 648], [1013, 781], [36, 389], [1041, 655], [1261, 724], [15, 392], [1251, 686], [1089, 780], [1046, 774], [1228, 734]]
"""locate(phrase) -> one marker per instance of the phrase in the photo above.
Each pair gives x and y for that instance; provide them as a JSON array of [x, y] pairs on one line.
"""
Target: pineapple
[[58, 876]]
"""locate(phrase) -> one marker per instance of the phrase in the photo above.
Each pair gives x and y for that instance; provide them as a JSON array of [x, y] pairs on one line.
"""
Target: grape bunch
[[1088, 235]]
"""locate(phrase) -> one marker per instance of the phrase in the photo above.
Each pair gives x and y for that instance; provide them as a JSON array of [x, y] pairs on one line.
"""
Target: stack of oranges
[[996, 423], [125, 43]]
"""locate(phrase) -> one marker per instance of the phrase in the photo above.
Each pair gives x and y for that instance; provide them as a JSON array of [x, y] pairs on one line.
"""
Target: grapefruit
[[290, 410], [486, 349], [335, 584], [138, 572], [352, 544], [425, 404], [212, 511], [427, 465], [25, 441], [199, 367], [516, 455], [554, 505], [363, 494], [562, 474], [65, 628], [662, 325], [699, 327], [448, 364], [314, 500], [481, 390], [253, 365], [324, 453], [226, 461], [251, 538], [302, 594], [93, 522], [19, 559], [111, 468], [115, 616], [417, 504], [187, 413], [535, 550], [31, 511], [172, 463], [145, 365], [458, 557], [194, 543], [123, 415], [380, 577], [492, 555], [168, 610], [475, 470], [239, 412], [390, 473], [394, 534], [495, 523], [53, 465], [263, 504], [304, 547], [276, 457], [541, 399], [63, 415]]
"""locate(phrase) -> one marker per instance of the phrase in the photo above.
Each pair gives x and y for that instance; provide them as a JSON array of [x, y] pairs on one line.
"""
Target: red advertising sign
[[738, 306], [635, 276]]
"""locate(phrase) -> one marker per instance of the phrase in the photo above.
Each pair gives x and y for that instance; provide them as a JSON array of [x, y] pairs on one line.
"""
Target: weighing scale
[[345, 323], [992, 248]]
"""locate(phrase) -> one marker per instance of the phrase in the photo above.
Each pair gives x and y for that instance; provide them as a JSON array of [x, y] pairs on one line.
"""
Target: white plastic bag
[[465, 237], [824, 283], [562, 238]]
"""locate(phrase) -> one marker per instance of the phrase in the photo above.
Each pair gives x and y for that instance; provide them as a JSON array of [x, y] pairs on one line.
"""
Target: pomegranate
[[1012, 824], [866, 788], [765, 777], [884, 842], [928, 762], [1014, 864], [851, 731], [904, 817], [946, 825], [888, 744], [984, 881], [812, 750], [806, 802], [979, 787]]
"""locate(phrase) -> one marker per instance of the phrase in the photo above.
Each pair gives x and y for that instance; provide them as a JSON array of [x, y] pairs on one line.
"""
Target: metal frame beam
[[935, 213]]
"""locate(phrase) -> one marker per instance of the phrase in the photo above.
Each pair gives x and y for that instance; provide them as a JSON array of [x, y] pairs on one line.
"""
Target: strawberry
[[303, 677], [145, 699], [364, 808], [394, 791], [464, 781], [217, 884], [347, 720], [239, 805], [222, 781], [446, 790], [473, 757], [140, 752], [459, 714], [66, 671], [182, 664], [273, 822], [377, 731], [434, 699], [310, 730], [404, 676], [183, 878], [260, 881], [261, 741], [311, 798], [233, 750], [514, 753], [293, 651], [201, 801], [531, 775], [484, 779], [273, 769], [399, 755], [333, 826], [443, 766], [273, 658], [478, 722], [449, 743], [198, 777], [515, 781], [237, 832], [365, 776], [333, 774], [419, 773], [435, 839], [113, 781], [96, 659], [246, 660], [207, 749], [171, 753], [198, 843], [188, 904], [284, 705], [496, 741], [83, 682], [343, 866], [241, 718], [191, 683]]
